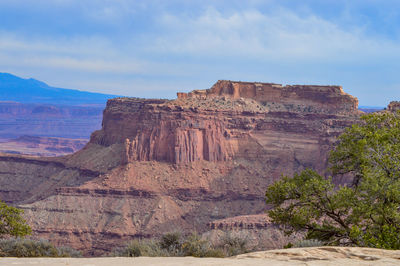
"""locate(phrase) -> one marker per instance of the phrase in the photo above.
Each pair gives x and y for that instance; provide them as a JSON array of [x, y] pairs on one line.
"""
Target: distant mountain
[[13, 88], [371, 109]]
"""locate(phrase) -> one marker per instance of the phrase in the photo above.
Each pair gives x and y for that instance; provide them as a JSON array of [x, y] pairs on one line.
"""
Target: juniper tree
[[11, 222], [364, 212]]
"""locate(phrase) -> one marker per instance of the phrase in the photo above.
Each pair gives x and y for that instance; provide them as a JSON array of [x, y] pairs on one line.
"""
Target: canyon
[[200, 162], [41, 146], [45, 120], [38, 119], [46, 130]]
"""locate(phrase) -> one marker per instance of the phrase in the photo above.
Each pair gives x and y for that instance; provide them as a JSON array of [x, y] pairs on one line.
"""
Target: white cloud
[[278, 35], [73, 46], [90, 54], [148, 46]]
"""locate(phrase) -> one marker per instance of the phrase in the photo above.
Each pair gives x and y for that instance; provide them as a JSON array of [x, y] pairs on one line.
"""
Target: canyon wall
[[165, 165], [181, 131]]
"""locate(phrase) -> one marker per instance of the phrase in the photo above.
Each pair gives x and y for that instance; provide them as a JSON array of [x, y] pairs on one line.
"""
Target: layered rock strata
[[393, 106], [165, 165], [328, 99]]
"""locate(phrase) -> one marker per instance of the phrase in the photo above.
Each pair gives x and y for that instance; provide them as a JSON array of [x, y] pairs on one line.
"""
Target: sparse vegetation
[[17, 247], [364, 212], [305, 243], [173, 244], [233, 245]]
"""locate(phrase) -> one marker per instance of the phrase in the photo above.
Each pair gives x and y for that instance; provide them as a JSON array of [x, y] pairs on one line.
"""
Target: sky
[[154, 48]]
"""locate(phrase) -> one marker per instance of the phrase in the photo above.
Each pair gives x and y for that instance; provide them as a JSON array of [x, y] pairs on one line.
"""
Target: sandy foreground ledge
[[296, 256]]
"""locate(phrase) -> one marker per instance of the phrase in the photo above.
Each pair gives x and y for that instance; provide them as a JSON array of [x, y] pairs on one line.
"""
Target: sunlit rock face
[[166, 165], [393, 106]]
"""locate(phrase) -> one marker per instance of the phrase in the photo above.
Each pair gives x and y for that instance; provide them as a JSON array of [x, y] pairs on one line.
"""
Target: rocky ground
[[295, 256], [220, 103]]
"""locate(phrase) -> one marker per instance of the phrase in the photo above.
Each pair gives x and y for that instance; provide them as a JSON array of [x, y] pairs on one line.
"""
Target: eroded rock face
[[165, 165], [329, 99], [394, 106], [205, 125], [156, 131]]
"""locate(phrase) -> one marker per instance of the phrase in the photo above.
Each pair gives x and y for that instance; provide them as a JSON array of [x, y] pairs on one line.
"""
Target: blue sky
[[153, 48]]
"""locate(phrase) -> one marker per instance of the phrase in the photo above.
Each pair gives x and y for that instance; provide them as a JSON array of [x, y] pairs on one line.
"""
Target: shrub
[[137, 248], [196, 247], [17, 247], [173, 244], [233, 245], [68, 252], [308, 243]]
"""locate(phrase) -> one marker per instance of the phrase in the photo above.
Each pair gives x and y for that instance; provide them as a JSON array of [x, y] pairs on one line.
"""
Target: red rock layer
[[394, 106], [330, 99], [163, 133], [158, 165]]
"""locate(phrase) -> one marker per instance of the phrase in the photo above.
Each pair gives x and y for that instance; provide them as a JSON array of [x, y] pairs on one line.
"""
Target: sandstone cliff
[[393, 106], [328, 99], [164, 165]]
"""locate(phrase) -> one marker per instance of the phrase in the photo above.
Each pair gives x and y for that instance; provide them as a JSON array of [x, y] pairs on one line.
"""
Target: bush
[[196, 247], [173, 244], [305, 243], [137, 248], [233, 245], [17, 247], [69, 252]]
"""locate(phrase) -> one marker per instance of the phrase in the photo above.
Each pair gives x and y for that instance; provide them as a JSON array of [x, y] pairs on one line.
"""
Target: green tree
[[365, 212], [11, 222]]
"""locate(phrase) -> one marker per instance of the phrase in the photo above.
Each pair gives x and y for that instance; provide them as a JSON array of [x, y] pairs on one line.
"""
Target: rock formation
[[165, 165], [393, 106], [330, 99]]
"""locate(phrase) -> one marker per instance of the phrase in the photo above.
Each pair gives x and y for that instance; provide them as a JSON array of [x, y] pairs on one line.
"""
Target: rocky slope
[[165, 165]]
